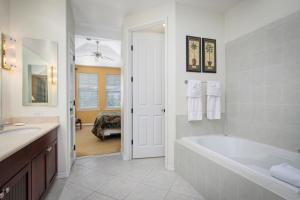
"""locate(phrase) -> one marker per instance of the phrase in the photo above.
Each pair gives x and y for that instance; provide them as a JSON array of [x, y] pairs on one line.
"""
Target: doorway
[[98, 97], [148, 89]]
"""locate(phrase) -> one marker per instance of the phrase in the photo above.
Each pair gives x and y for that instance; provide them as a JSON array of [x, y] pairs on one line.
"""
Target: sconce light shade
[[8, 55], [53, 74]]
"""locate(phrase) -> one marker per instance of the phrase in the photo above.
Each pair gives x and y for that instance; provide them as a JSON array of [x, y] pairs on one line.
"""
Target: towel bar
[[186, 81]]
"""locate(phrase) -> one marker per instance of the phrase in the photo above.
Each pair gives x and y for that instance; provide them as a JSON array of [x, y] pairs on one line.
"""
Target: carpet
[[87, 144]]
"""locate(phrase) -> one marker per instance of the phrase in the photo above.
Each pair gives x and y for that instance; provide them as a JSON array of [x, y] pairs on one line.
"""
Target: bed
[[107, 123]]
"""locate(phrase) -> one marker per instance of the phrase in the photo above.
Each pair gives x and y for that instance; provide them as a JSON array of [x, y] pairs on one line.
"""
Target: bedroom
[[97, 96]]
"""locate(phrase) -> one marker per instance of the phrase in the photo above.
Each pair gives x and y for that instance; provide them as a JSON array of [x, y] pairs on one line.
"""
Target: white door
[[148, 95]]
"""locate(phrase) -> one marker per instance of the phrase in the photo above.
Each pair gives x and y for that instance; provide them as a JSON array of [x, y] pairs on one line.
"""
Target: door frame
[[128, 89], [71, 73]]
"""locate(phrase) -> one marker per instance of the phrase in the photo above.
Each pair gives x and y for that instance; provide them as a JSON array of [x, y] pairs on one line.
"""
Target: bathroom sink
[[20, 131]]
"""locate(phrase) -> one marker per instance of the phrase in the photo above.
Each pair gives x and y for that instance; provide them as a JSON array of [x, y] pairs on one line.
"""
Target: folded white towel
[[286, 173], [194, 88], [211, 91], [194, 101], [213, 100]]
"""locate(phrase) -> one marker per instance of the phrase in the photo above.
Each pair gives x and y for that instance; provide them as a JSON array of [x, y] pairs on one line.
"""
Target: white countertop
[[11, 142]]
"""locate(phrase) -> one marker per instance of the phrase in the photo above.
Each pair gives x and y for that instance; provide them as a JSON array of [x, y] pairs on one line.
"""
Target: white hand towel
[[194, 101], [213, 100], [286, 173], [194, 88]]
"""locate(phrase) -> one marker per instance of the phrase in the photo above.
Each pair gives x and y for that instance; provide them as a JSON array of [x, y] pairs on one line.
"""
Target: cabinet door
[[51, 162], [17, 188], [38, 176]]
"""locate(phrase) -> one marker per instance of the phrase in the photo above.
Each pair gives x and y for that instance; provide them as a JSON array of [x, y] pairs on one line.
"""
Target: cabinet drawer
[[13, 164], [17, 187], [39, 146]]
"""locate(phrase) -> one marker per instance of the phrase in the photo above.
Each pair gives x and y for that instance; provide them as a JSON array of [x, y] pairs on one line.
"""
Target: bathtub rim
[[278, 187]]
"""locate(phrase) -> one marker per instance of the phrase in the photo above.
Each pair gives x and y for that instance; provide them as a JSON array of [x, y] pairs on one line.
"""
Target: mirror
[[39, 72]]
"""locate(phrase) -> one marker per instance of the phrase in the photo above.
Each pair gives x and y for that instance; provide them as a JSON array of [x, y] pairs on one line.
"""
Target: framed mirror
[[39, 72]]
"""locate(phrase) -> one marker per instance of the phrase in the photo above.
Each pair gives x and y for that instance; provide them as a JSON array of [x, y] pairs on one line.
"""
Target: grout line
[[170, 189]]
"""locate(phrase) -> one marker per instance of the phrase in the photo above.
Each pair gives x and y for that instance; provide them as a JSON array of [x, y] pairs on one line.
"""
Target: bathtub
[[225, 167]]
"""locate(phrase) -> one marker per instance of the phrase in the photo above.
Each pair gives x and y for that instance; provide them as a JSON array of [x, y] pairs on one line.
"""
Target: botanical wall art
[[193, 54], [209, 58]]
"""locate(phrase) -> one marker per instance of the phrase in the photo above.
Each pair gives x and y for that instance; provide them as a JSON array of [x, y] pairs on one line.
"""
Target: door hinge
[[131, 110], [131, 47], [74, 147], [132, 79], [132, 142]]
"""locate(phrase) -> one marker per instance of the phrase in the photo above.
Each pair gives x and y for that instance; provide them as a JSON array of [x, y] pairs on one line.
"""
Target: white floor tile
[[146, 192], [177, 196], [183, 187], [74, 192], [97, 196], [92, 180], [111, 178], [118, 188], [160, 178]]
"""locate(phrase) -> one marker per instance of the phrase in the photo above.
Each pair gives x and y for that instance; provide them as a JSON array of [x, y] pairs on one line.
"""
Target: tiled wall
[[184, 128], [263, 84]]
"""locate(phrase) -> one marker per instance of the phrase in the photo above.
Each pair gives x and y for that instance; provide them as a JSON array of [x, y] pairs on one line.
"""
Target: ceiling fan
[[97, 54]]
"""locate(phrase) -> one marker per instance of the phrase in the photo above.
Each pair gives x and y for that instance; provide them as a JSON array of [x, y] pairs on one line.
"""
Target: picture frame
[[209, 55], [193, 54]]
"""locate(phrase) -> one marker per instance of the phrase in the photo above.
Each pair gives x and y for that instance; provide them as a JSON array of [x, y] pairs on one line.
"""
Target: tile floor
[[110, 178]]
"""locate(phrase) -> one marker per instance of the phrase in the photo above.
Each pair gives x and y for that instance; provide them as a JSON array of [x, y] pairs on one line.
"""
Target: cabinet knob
[[49, 149], [2, 194]]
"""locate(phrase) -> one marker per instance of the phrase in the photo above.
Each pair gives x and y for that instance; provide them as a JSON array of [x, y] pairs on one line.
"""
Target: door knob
[[163, 110]]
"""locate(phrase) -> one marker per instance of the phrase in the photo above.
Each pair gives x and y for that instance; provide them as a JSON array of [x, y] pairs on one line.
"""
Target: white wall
[[4, 18], [249, 15], [4, 6], [194, 21], [40, 20], [163, 12]]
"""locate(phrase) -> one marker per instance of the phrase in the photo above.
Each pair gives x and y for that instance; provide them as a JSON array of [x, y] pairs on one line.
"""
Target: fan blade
[[107, 58], [84, 55]]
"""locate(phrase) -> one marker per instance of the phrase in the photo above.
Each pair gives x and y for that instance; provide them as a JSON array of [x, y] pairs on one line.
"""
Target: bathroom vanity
[[28, 161]]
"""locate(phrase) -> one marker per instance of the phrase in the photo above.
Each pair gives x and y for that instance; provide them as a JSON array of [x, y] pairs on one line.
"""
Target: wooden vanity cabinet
[[28, 174]]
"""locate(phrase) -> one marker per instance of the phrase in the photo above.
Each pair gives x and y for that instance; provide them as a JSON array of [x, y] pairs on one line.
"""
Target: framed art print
[[209, 57], [193, 54]]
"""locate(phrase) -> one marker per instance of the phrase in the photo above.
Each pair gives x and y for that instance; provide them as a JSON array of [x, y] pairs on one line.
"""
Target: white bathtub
[[248, 159]]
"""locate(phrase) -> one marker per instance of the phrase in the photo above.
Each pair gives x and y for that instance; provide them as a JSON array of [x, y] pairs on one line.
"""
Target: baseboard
[[170, 167], [62, 175], [99, 156], [87, 124]]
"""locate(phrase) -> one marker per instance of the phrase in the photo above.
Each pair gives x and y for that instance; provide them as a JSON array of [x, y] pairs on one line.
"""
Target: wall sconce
[[53, 74], [8, 49]]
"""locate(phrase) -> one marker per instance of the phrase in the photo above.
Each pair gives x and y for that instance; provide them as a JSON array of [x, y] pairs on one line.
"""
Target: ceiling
[[214, 5], [103, 18], [85, 48]]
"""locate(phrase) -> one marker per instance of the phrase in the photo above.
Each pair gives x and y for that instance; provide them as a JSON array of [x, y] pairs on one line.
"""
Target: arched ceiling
[[103, 18]]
